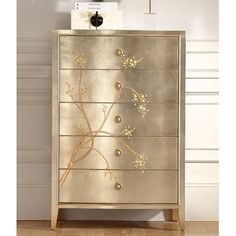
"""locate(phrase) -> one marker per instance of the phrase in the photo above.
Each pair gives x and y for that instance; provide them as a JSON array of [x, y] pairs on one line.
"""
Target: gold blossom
[[70, 89], [139, 98], [142, 108], [140, 161], [140, 101], [77, 126], [79, 59], [84, 90], [130, 62], [128, 131]]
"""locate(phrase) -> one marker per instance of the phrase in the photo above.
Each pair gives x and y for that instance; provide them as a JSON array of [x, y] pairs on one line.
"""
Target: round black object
[[96, 20]]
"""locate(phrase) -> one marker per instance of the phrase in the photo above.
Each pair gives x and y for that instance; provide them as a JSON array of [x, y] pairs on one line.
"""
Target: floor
[[75, 228]]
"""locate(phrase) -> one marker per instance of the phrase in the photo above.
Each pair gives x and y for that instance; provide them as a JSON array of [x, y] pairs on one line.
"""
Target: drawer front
[[93, 186], [100, 52], [120, 153], [123, 120], [160, 86]]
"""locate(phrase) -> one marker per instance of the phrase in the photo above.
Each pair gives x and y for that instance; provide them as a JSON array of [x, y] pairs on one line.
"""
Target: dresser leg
[[181, 218], [54, 215]]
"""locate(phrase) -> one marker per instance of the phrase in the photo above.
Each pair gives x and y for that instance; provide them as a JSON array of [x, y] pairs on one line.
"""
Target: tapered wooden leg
[[181, 218], [54, 215]]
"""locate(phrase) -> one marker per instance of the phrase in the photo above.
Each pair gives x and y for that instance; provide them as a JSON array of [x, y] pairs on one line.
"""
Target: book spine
[[93, 6]]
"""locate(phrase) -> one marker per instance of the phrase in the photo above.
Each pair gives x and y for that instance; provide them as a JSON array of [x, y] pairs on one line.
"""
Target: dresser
[[118, 124]]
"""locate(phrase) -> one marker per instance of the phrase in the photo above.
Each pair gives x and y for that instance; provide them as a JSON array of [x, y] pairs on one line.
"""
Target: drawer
[[94, 186], [120, 153], [100, 51], [123, 120], [160, 86]]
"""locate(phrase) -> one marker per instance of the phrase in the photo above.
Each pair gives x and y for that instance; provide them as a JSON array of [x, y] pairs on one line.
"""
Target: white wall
[[36, 20]]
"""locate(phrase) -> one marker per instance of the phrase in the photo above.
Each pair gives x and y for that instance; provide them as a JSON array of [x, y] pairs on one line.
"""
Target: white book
[[111, 20], [108, 15], [96, 6]]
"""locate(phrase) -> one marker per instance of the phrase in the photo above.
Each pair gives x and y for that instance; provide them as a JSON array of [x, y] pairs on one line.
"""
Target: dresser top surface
[[120, 32]]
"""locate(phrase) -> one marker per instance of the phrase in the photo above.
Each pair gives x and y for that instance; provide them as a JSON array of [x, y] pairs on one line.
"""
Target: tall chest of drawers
[[118, 121]]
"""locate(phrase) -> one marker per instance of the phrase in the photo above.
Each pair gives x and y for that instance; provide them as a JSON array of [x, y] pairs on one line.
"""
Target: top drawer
[[100, 52]]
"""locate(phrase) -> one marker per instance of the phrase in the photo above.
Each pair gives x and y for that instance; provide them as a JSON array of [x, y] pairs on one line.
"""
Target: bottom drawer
[[99, 186]]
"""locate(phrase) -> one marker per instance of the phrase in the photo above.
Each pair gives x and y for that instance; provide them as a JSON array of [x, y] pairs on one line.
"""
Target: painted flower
[[70, 90], [142, 108], [130, 63], [140, 101], [128, 131], [79, 59], [77, 126], [140, 161]]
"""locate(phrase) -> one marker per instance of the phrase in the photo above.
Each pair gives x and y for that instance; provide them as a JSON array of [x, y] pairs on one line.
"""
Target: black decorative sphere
[[96, 20]]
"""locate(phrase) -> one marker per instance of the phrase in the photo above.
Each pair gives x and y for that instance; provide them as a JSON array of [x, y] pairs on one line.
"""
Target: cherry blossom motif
[[128, 131], [69, 90], [79, 59], [140, 161], [140, 101], [130, 62], [78, 126]]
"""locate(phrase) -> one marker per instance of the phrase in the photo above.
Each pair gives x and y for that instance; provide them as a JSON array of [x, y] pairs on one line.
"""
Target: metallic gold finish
[[55, 132], [118, 52], [92, 186], [81, 145], [155, 149], [117, 186], [163, 117], [79, 59], [152, 49], [139, 99], [161, 86], [118, 119], [152, 79], [141, 206], [118, 85], [181, 124], [117, 152]]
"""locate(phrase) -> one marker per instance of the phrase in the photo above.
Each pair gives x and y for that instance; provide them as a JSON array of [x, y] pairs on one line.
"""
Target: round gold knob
[[117, 119], [118, 52], [118, 85], [117, 152], [117, 186]]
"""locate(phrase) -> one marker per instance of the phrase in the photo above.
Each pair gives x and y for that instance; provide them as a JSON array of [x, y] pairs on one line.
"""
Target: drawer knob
[[117, 119], [118, 52], [117, 152], [118, 85], [117, 186]]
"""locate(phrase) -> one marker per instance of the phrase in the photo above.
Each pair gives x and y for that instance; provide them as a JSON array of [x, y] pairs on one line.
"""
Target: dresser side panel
[[55, 119]]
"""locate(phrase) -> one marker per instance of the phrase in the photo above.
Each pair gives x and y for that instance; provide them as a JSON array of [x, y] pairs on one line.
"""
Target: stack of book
[[112, 17]]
